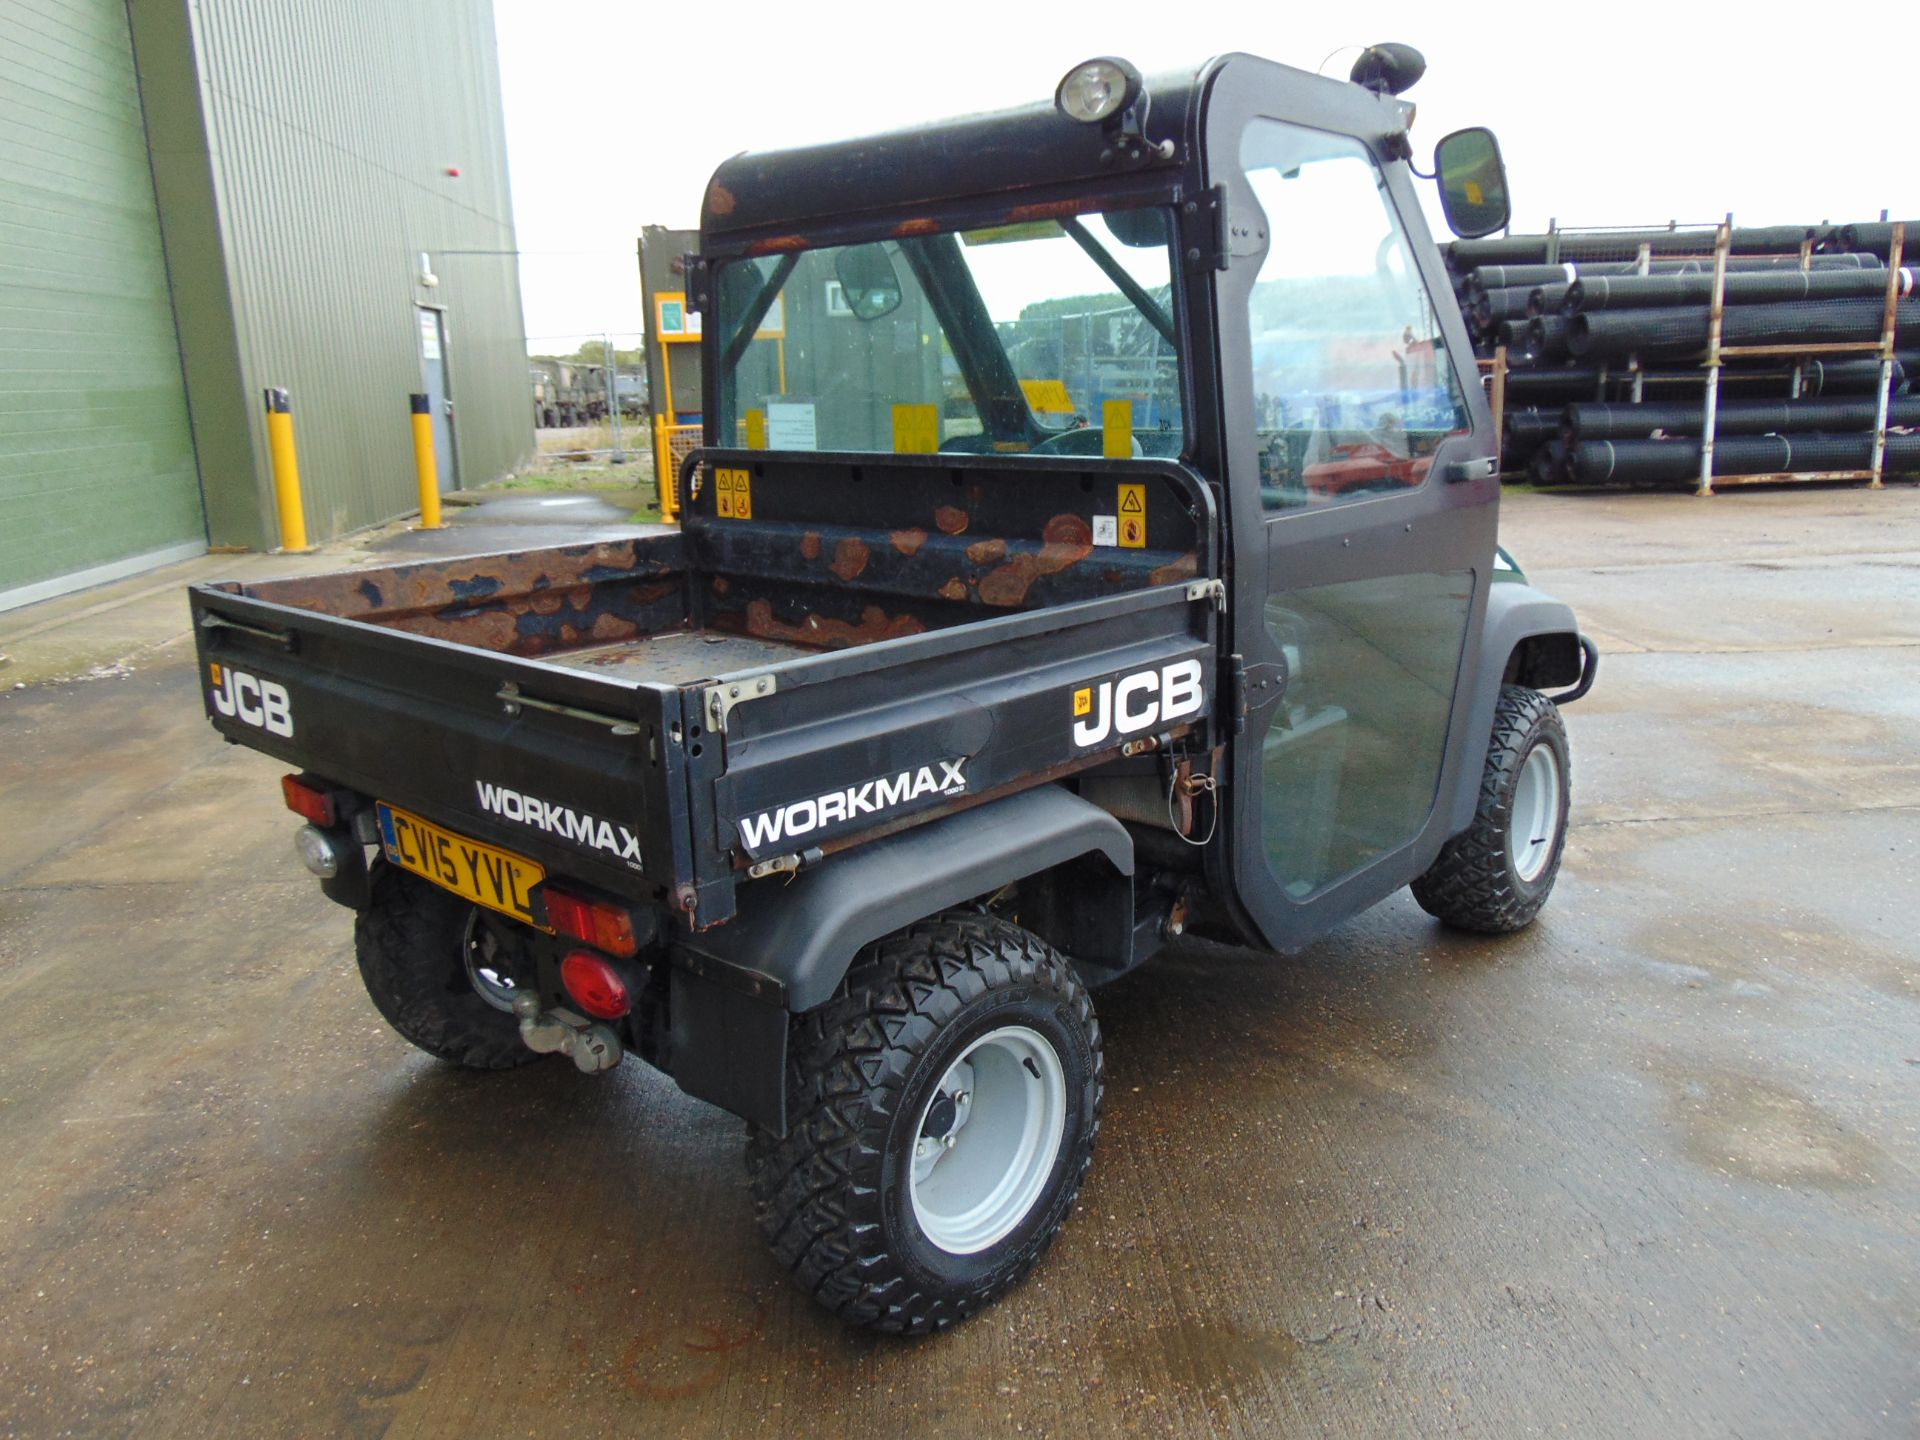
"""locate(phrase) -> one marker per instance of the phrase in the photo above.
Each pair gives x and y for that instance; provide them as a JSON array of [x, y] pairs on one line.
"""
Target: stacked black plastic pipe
[[1586, 325]]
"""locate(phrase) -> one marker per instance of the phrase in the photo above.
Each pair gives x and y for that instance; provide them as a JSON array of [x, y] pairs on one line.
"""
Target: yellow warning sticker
[[916, 429], [733, 494], [756, 429], [1133, 516], [1083, 700], [1047, 397], [1116, 429]]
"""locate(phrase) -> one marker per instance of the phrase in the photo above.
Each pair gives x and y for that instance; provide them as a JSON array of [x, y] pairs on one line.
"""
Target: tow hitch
[[591, 1046]]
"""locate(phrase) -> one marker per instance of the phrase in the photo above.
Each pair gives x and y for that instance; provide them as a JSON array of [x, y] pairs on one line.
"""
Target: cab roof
[[772, 198], [1032, 147]]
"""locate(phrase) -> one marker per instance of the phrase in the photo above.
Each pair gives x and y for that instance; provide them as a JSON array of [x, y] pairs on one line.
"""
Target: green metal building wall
[[96, 460], [203, 198], [307, 147]]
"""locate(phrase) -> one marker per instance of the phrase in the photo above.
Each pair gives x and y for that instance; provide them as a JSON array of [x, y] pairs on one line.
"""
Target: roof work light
[[1097, 89]]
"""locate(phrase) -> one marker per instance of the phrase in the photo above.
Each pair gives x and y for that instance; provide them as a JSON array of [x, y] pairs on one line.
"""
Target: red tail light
[[309, 800], [596, 987], [601, 923]]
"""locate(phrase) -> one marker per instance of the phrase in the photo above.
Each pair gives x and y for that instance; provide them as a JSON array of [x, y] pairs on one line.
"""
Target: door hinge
[[719, 700], [1203, 231], [1255, 687]]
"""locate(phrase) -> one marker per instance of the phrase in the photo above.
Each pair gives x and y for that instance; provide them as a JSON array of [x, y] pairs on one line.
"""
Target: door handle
[[1485, 468]]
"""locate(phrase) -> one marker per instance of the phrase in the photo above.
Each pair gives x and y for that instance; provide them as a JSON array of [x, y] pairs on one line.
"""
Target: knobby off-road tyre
[[410, 943], [1494, 876], [938, 1030]]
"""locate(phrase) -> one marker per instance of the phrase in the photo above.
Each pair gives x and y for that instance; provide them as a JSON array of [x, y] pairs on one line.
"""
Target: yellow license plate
[[484, 874]]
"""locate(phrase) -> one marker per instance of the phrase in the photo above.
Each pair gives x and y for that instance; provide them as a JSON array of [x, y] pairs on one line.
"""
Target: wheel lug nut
[[950, 1141]]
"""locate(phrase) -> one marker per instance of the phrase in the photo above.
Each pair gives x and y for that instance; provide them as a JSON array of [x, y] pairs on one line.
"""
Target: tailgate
[[574, 770]]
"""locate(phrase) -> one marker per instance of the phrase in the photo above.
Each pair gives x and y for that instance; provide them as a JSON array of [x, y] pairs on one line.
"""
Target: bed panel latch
[[720, 699], [1214, 590]]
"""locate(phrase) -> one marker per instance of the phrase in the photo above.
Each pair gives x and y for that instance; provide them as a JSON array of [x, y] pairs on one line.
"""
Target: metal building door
[[433, 381]]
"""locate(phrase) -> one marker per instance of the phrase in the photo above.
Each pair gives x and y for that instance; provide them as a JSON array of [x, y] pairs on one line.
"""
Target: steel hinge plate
[[718, 702], [1203, 230]]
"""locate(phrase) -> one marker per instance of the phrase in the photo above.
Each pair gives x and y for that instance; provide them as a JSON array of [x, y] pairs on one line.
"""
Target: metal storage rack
[[1494, 370], [1717, 353]]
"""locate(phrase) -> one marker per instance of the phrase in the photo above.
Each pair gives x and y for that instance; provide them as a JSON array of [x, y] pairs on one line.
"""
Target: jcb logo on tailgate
[[251, 700], [1137, 702]]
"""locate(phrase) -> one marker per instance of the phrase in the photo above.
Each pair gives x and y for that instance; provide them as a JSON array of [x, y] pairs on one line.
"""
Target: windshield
[[1049, 336]]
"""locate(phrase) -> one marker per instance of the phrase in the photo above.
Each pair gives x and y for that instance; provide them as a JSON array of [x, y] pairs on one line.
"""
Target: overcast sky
[[617, 113]]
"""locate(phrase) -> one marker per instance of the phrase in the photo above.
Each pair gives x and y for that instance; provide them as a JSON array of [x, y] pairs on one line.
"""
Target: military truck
[[838, 803]]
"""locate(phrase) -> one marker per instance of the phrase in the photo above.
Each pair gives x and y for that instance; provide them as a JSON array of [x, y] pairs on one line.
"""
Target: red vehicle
[[1365, 465]]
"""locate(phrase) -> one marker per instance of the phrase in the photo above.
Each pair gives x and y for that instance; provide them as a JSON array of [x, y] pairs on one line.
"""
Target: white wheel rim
[[1006, 1101], [478, 950], [1535, 818]]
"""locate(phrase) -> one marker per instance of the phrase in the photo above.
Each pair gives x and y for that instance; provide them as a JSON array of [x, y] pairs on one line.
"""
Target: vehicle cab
[[1227, 269]]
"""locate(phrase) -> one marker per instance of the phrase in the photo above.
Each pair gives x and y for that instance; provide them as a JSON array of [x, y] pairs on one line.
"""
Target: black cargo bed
[[726, 692]]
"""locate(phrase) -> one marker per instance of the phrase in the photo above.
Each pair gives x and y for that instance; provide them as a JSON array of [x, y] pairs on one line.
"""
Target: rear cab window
[[1051, 336]]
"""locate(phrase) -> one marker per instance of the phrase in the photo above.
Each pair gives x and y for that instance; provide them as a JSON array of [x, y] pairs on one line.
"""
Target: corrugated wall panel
[[96, 458], [331, 127]]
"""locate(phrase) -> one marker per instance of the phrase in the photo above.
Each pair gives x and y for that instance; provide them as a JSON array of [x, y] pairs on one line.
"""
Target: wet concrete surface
[[1649, 1168]]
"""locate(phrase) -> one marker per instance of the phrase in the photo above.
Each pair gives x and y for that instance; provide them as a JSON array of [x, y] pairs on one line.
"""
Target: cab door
[[1360, 486]]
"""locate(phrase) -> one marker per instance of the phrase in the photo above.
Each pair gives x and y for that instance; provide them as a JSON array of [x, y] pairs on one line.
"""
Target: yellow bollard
[[665, 482], [426, 460], [286, 472]]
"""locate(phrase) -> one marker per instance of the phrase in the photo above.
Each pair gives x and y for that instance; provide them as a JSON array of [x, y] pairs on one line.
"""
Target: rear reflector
[[600, 923], [309, 801], [596, 987]]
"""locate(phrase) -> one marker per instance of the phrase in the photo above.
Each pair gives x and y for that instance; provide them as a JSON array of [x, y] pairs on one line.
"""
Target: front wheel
[[1495, 875], [942, 1111]]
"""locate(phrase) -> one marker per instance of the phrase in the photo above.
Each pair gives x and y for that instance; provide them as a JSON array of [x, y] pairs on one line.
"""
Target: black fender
[[788, 947], [1529, 638]]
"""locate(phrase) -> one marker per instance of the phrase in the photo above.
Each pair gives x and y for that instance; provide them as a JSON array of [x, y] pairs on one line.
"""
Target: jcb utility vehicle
[[1094, 541]]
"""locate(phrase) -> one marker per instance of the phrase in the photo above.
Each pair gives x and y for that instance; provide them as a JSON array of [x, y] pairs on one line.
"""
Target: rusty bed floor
[[679, 657]]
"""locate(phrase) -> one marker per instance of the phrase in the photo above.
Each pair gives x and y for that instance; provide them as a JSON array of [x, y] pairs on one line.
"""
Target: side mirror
[[868, 281], [1473, 183]]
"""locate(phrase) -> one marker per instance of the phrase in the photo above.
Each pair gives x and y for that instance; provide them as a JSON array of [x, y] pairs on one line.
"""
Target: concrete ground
[[1649, 1168]]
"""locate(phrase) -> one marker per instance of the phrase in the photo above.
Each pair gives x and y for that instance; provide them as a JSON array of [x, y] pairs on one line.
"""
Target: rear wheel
[[1494, 876], [439, 972], [942, 1111]]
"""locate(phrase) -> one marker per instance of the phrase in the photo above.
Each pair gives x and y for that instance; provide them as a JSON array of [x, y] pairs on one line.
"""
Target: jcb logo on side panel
[[263, 704], [1137, 702]]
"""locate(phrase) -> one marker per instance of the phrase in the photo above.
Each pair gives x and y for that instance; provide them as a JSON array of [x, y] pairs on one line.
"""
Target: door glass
[[1352, 759], [1352, 389]]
